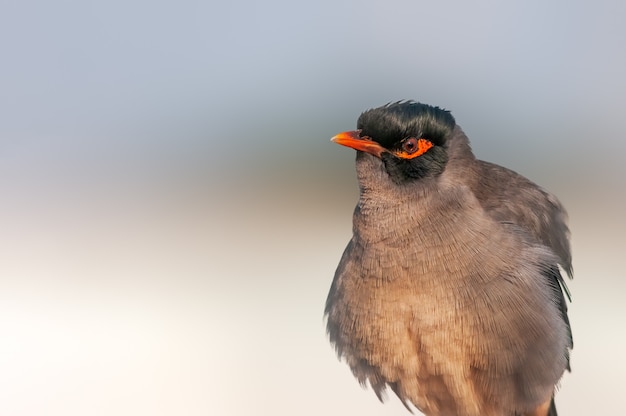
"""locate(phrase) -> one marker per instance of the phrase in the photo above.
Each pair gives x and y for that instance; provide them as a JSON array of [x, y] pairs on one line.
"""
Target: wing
[[510, 197], [556, 283]]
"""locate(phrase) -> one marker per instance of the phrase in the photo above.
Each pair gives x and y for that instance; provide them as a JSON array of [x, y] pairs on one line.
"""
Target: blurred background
[[172, 211]]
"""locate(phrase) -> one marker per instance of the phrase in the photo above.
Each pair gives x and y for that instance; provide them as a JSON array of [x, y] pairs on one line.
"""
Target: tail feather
[[552, 410], [542, 410]]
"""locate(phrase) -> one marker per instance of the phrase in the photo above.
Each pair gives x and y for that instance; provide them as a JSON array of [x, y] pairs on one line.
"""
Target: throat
[[392, 212]]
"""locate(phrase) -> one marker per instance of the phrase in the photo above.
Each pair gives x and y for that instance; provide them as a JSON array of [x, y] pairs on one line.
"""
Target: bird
[[450, 292]]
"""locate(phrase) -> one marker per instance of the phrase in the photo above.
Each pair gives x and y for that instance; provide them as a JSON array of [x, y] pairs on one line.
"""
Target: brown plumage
[[449, 291]]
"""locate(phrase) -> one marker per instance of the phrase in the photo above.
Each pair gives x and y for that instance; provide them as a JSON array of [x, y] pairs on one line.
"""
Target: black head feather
[[389, 125]]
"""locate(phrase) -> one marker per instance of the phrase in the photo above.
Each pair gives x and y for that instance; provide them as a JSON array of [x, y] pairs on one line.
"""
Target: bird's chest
[[399, 321], [392, 302]]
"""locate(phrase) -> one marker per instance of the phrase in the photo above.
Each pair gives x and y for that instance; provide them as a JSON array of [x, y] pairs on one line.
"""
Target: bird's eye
[[410, 145], [413, 147]]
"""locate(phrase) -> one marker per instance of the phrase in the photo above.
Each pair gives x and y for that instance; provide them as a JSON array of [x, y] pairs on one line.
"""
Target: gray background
[[172, 211]]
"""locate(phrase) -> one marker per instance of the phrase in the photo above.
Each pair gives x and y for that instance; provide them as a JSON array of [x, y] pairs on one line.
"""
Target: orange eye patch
[[413, 147]]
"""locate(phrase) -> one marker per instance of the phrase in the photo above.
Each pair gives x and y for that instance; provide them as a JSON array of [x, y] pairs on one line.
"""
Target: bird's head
[[410, 138]]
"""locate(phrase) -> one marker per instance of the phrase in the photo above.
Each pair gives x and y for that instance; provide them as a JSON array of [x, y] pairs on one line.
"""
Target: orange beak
[[354, 140]]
